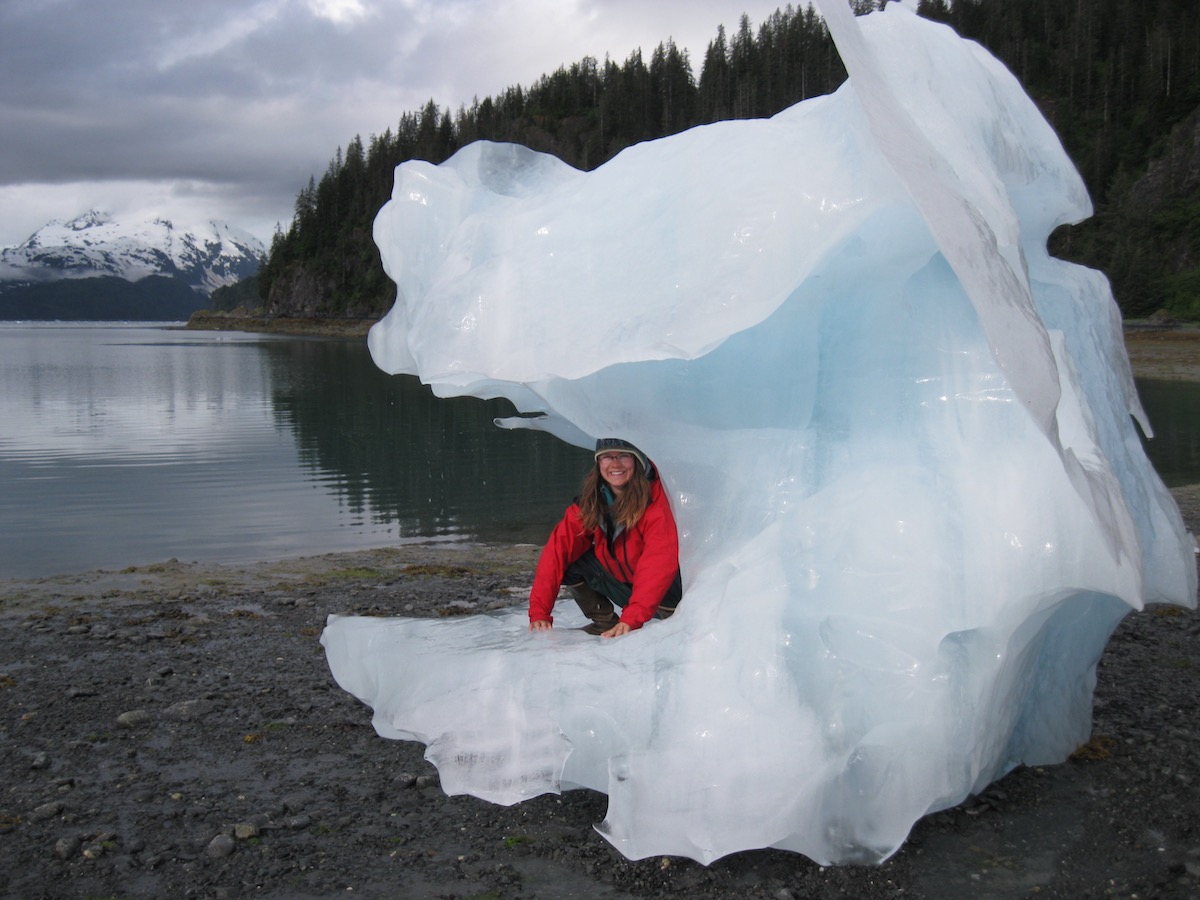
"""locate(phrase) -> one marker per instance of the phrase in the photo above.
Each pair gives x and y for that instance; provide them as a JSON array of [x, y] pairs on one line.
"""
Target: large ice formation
[[912, 500]]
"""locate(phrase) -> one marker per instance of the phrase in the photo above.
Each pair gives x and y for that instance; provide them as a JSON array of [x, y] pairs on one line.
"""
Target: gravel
[[173, 731]]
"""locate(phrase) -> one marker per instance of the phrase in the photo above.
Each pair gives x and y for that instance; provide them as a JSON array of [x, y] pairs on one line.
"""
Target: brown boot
[[595, 606]]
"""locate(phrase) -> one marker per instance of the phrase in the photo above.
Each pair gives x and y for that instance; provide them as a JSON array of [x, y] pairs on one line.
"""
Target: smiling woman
[[616, 544]]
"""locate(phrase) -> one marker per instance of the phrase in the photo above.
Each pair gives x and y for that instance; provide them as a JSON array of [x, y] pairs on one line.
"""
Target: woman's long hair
[[628, 505]]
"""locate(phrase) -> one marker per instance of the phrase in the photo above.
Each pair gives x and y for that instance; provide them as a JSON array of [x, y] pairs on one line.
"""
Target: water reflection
[[1174, 411], [124, 445], [398, 454]]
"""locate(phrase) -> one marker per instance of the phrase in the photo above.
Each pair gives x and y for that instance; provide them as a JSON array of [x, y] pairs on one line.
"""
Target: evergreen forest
[[1118, 79]]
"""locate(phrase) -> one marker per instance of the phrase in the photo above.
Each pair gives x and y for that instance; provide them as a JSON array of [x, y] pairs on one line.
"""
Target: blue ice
[[899, 438]]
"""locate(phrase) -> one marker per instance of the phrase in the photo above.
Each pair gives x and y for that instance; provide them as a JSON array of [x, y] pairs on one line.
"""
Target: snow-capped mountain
[[94, 245]]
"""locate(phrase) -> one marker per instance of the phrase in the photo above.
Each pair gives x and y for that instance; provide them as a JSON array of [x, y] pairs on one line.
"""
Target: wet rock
[[188, 709], [134, 718], [46, 811], [66, 848], [221, 846]]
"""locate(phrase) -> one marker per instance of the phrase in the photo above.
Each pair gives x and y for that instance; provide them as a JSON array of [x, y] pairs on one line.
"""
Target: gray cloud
[[234, 103]]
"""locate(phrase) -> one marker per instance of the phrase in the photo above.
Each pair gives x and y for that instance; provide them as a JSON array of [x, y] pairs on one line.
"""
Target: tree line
[[1114, 78], [1120, 83]]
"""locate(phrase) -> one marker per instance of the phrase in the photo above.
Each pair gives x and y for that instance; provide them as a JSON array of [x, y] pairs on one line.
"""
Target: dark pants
[[588, 570]]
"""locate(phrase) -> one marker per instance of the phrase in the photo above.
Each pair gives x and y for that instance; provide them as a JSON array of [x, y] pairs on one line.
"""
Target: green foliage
[[244, 293], [1183, 294], [1113, 78], [325, 262]]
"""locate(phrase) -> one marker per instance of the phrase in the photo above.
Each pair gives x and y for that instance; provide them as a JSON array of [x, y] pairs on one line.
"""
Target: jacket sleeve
[[568, 541], [658, 563]]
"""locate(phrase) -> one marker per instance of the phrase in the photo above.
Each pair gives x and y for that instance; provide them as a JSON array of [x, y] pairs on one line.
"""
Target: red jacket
[[646, 556]]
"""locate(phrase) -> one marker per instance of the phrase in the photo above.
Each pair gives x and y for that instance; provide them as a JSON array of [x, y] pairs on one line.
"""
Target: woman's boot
[[595, 606]]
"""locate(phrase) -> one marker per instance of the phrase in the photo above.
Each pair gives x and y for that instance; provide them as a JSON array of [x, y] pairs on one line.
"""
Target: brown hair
[[628, 506]]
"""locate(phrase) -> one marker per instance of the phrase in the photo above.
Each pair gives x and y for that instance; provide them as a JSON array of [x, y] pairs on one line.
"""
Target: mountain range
[[95, 267]]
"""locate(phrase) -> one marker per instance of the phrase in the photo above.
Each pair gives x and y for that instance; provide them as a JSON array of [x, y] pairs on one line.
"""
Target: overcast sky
[[224, 108]]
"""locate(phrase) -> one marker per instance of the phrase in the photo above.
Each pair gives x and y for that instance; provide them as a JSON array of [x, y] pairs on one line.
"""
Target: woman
[[616, 544]]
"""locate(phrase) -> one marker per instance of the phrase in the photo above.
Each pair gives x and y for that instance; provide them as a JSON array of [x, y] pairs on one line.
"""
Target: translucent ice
[[912, 502]]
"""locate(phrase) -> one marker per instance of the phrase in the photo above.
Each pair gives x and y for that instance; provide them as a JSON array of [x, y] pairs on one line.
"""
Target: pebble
[[46, 811], [65, 848], [221, 846], [187, 709], [134, 718]]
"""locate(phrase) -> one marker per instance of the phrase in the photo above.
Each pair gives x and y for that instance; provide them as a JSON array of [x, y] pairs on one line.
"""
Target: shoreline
[[1154, 351], [299, 326], [1172, 354]]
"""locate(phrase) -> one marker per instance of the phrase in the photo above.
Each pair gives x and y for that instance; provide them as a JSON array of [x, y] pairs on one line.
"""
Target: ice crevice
[[898, 438]]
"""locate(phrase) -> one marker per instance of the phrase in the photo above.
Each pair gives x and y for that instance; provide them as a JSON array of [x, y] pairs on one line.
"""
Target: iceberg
[[898, 436]]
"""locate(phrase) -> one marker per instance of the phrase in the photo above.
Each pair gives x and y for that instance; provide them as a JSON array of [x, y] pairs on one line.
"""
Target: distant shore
[[304, 326], [1154, 352], [1172, 353]]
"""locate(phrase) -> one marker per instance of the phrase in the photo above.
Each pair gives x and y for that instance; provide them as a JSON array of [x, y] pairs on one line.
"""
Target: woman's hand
[[540, 625], [617, 630]]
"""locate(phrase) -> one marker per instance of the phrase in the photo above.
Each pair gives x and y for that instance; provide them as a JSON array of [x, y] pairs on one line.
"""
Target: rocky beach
[[172, 730]]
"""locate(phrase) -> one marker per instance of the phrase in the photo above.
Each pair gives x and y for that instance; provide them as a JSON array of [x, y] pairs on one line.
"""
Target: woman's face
[[616, 469]]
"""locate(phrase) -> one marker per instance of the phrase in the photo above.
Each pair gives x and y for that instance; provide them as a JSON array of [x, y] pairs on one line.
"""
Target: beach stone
[[41, 760], [293, 803], [245, 830], [65, 848], [188, 709], [221, 846], [134, 718], [46, 811]]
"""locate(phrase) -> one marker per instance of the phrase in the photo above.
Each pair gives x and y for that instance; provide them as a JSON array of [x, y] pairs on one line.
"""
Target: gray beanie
[[617, 445]]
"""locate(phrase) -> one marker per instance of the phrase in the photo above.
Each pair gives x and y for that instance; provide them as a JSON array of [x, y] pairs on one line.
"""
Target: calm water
[[124, 445], [1174, 411]]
